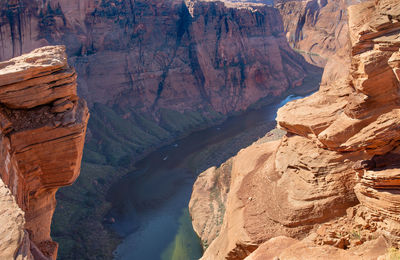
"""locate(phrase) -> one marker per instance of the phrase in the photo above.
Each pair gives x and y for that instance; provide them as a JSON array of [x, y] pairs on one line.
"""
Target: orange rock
[[13, 237], [42, 146], [288, 248], [37, 78], [208, 201], [342, 149], [369, 101], [318, 29], [274, 194], [309, 116]]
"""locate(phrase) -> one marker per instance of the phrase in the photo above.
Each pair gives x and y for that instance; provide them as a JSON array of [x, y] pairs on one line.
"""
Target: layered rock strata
[[43, 125], [159, 68], [317, 29], [151, 70], [331, 183], [150, 55], [13, 239]]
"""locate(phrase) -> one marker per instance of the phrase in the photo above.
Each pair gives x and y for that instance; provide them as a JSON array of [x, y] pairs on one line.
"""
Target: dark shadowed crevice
[[183, 24]]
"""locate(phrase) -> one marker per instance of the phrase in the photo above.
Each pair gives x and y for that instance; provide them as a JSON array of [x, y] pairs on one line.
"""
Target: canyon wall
[[328, 189], [150, 71], [317, 29], [150, 55], [43, 125], [158, 68]]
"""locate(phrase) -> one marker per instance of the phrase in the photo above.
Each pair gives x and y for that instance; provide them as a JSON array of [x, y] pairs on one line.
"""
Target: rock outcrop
[[13, 237], [317, 29], [332, 182], [288, 248], [43, 125], [212, 188]]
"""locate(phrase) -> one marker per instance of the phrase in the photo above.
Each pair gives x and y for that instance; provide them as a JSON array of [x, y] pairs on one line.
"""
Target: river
[[150, 204]]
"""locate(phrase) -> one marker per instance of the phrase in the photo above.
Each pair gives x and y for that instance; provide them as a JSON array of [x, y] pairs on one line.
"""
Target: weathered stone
[[62, 107], [287, 248], [152, 55], [36, 78], [310, 116], [333, 179], [12, 235], [318, 29], [40, 154], [208, 199]]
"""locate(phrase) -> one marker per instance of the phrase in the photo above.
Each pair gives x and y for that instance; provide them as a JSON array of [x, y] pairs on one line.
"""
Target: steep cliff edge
[[151, 71], [331, 183], [148, 49], [14, 241], [144, 63], [43, 125]]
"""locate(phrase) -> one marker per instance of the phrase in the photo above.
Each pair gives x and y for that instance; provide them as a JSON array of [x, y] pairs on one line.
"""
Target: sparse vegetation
[[115, 143], [393, 254], [305, 52], [84, 205], [355, 234]]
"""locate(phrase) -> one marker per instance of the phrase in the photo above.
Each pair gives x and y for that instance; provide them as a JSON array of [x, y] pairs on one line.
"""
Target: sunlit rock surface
[[43, 124], [331, 184]]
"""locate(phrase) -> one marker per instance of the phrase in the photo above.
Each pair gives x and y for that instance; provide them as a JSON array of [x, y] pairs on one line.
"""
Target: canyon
[[153, 71], [43, 127], [147, 53], [150, 71], [318, 29], [328, 188]]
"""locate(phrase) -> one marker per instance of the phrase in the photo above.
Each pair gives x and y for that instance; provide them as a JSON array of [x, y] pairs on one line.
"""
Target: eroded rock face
[[319, 29], [212, 186], [41, 138], [144, 65], [274, 194], [12, 223], [332, 182], [288, 248], [150, 55], [36, 79]]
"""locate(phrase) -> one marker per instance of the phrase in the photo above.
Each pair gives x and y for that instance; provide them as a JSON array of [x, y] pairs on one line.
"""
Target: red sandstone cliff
[[318, 29], [149, 55], [330, 183], [151, 71], [43, 124], [14, 241], [160, 68]]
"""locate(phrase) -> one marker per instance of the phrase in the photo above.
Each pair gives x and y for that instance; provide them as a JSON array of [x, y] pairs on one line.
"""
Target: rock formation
[[317, 29], [158, 68], [154, 54], [43, 125], [212, 188], [332, 182], [13, 238], [153, 70]]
